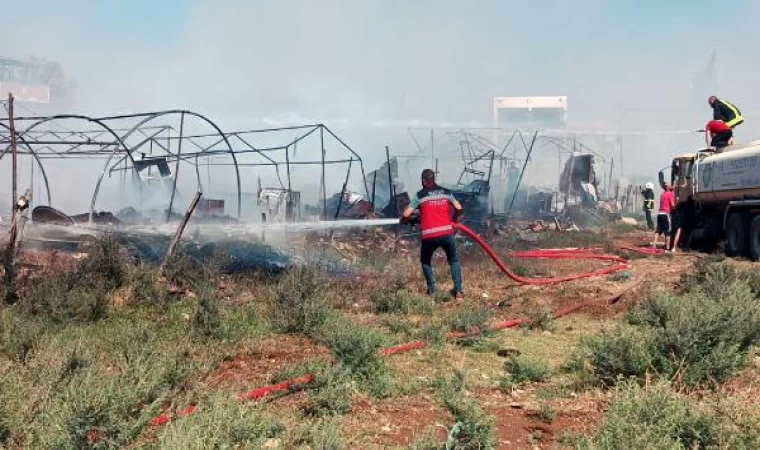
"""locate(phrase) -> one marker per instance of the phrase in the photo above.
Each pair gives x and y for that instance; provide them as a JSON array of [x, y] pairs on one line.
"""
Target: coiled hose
[[622, 264]]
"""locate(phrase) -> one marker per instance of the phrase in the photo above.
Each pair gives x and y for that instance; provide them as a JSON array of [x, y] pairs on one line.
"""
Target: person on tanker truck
[[667, 206], [725, 111], [718, 135], [648, 194], [437, 230]]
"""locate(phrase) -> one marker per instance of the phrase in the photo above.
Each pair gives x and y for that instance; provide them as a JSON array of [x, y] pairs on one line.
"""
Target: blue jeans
[[449, 246]]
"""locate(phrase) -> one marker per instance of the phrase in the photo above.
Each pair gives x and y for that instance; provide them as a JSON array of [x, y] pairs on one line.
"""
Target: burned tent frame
[[120, 138]]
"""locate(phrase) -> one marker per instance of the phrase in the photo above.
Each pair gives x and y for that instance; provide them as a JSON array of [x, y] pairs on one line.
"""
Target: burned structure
[[167, 156], [578, 179]]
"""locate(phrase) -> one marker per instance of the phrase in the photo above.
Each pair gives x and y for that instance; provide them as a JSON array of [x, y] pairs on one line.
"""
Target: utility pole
[[10, 251]]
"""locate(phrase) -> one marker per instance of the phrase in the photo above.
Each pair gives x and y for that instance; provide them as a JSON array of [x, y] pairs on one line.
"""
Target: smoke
[[372, 69]]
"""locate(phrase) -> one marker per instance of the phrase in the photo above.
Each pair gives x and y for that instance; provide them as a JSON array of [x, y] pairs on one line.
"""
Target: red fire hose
[[622, 264]]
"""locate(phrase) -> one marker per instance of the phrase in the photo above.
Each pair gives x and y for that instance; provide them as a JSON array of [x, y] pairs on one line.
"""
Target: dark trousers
[[650, 222], [449, 246], [720, 140]]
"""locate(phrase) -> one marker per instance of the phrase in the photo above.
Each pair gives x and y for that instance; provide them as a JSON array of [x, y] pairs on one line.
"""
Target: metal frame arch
[[36, 158], [119, 142], [151, 116]]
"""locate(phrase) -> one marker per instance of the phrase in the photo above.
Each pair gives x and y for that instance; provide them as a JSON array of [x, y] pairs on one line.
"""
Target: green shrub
[[80, 293], [19, 337], [331, 394], [222, 422], [356, 348], [521, 370], [297, 371], [699, 337], [322, 434], [300, 305], [433, 333], [473, 429], [655, 417], [540, 319], [426, 441], [5, 431], [144, 290], [86, 388], [470, 318], [610, 355], [399, 302], [183, 272], [206, 320], [546, 413]]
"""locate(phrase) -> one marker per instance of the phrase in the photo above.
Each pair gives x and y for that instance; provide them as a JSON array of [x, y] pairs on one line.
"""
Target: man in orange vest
[[435, 204]]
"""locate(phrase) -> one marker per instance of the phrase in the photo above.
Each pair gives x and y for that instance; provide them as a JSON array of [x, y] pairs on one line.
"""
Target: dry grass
[[125, 365]]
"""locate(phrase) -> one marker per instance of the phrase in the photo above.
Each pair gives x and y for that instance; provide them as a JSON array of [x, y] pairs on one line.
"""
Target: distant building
[[530, 112], [34, 80]]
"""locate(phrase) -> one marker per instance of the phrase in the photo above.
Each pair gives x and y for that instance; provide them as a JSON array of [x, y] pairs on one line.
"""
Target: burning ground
[[661, 355]]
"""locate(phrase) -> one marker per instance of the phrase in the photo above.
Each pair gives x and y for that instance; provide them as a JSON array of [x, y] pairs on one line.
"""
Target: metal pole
[[288, 202], [609, 183], [324, 188], [343, 191], [10, 251], [374, 183], [519, 179], [180, 229], [14, 176], [390, 182], [176, 166]]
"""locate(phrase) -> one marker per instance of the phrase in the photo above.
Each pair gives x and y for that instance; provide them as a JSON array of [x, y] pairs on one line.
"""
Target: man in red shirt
[[667, 206], [436, 223], [718, 134]]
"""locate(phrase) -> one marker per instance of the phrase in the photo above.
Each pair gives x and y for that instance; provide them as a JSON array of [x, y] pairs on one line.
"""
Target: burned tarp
[[50, 215], [579, 178], [352, 206]]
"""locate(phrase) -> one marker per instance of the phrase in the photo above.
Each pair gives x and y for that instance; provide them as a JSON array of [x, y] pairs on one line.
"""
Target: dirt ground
[[398, 421], [537, 415]]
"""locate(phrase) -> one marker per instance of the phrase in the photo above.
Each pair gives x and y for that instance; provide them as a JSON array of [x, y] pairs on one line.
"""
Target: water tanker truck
[[718, 198]]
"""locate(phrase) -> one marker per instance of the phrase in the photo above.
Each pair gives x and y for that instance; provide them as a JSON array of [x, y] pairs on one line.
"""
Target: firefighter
[[437, 230], [725, 111], [648, 194]]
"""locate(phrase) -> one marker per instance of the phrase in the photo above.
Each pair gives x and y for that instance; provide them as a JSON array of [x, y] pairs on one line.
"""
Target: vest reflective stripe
[[738, 118], [437, 229], [434, 197], [648, 204]]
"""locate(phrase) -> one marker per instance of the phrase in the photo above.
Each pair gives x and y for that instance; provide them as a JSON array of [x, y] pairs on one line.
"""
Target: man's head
[[667, 186], [712, 100], [428, 178]]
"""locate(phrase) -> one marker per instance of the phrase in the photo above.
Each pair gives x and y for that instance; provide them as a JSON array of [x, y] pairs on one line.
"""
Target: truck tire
[[737, 234], [754, 239]]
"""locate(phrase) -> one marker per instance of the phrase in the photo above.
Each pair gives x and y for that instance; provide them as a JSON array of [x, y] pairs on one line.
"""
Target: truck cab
[[681, 177]]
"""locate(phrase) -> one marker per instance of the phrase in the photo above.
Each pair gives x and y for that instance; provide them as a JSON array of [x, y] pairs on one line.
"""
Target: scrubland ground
[[662, 355]]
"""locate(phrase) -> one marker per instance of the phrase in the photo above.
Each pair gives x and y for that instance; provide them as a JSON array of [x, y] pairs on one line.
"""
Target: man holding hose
[[435, 204]]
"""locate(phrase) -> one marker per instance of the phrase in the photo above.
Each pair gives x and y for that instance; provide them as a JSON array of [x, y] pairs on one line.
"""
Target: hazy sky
[[395, 60], [371, 68]]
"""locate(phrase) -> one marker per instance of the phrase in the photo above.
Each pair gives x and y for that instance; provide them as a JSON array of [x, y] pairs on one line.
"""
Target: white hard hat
[[649, 186]]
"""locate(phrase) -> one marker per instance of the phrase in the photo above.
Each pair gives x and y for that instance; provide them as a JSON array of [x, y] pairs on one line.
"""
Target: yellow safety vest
[[649, 204], [738, 118]]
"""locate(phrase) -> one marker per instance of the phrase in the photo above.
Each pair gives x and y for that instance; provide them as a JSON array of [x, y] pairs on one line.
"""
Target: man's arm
[[457, 209], [708, 137], [409, 210]]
